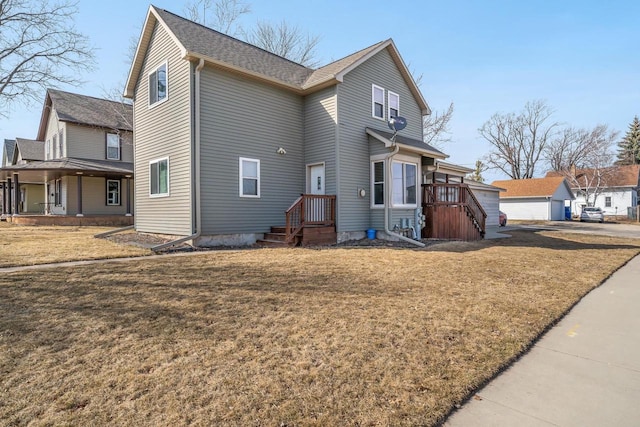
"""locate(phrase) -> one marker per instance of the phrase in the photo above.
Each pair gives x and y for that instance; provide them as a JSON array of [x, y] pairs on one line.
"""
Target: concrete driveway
[[604, 229]]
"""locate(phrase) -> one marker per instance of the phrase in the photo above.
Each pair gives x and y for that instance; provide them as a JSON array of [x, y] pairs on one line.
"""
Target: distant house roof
[[9, 149], [533, 187], [85, 110], [199, 42], [476, 185], [617, 176], [30, 149]]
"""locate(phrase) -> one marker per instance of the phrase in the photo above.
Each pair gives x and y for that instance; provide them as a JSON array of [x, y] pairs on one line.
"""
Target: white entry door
[[316, 179]]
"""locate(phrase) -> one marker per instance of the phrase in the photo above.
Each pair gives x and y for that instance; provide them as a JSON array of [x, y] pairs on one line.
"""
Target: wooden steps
[[309, 236]]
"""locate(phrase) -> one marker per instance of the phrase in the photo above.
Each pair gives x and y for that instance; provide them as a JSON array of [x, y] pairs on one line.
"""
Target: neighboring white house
[[619, 196], [535, 198], [489, 198]]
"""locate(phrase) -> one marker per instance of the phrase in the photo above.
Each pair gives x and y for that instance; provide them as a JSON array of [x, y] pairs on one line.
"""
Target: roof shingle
[[30, 149], [87, 110], [533, 187]]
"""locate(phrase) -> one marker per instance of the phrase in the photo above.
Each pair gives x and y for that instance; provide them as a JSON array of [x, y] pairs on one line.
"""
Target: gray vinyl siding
[[320, 118], [94, 197], [244, 118], [354, 148], [87, 142], [164, 130]]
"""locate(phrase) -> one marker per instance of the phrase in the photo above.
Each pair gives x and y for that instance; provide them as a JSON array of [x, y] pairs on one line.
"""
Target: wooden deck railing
[[309, 209], [454, 196]]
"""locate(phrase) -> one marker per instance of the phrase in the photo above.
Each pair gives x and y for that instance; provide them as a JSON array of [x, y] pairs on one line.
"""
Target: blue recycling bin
[[567, 212], [371, 234]]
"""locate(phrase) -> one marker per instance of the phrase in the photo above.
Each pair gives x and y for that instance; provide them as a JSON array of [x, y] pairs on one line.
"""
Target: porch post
[[4, 197], [128, 196], [16, 187], [8, 185], [79, 196]]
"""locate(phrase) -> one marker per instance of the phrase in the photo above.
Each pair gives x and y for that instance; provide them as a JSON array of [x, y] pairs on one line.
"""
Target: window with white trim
[[159, 177], [158, 84], [377, 102], [55, 146], [404, 183], [61, 143], [377, 183], [113, 146], [47, 149], [249, 177], [57, 192], [113, 192], [607, 202], [394, 105]]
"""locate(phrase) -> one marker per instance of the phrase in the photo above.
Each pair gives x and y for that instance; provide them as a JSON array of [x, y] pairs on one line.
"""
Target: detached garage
[[489, 198], [535, 198]]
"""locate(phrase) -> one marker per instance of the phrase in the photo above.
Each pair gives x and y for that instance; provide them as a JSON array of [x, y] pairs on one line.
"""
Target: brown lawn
[[274, 337], [27, 245]]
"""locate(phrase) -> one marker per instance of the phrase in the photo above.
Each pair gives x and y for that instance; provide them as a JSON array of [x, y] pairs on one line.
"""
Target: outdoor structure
[[79, 170], [489, 198], [618, 195], [535, 198], [235, 144]]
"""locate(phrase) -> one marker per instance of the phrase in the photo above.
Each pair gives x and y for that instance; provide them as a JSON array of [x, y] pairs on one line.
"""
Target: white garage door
[[527, 209], [490, 202]]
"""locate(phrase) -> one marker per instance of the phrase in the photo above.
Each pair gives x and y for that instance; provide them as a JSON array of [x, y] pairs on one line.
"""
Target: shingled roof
[[9, 149], [617, 176], [196, 41], [30, 149], [533, 187]]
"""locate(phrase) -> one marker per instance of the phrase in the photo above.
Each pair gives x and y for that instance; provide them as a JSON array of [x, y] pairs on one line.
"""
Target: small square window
[[159, 177], [158, 84], [377, 102], [249, 177]]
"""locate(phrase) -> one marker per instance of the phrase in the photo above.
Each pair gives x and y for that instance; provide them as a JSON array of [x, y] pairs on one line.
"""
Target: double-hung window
[[113, 192], [377, 183], [394, 105], [249, 177], [158, 85], [55, 146], [607, 202], [113, 146], [61, 143], [377, 102], [405, 183], [159, 177]]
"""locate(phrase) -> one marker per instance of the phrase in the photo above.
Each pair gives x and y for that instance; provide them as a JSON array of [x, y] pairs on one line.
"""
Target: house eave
[[405, 147]]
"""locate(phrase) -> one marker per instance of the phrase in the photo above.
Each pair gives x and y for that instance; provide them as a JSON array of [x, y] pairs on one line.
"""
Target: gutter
[[387, 188], [196, 176]]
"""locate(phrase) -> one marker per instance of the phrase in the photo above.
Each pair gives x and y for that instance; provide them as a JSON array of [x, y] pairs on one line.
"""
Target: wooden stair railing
[[450, 194], [309, 209], [474, 209]]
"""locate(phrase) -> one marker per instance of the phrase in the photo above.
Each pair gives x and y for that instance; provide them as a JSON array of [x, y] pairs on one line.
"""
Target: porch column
[[16, 187], [128, 196], [8, 185], [4, 197], [79, 196]]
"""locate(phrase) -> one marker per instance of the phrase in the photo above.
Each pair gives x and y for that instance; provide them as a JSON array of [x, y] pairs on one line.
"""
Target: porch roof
[[408, 144], [56, 168]]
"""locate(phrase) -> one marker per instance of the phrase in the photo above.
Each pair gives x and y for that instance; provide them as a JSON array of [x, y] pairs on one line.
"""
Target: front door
[[316, 179]]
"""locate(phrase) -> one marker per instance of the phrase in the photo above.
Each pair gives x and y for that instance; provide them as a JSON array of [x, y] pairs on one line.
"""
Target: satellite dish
[[397, 123]]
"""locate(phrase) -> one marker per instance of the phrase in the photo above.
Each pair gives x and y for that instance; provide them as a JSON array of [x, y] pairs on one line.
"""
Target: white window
[[113, 146], [158, 84], [113, 192], [394, 105], [607, 202], [57, 192], [55, 146], [159, 177], [249, 177], [61, 143], [405, 183], [377, 102], [377, 183], [47, 148]]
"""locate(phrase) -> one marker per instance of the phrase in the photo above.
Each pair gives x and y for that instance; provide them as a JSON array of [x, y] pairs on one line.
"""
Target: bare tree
[[286, 41], [519, 140], [39, 48], [584, 157], [221, 15], [435, 127]]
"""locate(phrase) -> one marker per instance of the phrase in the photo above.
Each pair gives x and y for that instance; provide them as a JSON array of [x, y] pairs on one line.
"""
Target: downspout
[[196, 173], [387, 187]]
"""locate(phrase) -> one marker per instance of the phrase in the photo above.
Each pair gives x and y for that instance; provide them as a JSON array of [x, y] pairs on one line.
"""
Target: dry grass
[[269, 337], [27, 245]]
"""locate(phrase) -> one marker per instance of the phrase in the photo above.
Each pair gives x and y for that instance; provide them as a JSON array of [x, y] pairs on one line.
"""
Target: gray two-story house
[[231, 140], [79, 165]]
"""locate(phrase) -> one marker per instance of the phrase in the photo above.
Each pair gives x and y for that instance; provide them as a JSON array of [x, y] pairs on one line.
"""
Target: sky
[[487, 57]]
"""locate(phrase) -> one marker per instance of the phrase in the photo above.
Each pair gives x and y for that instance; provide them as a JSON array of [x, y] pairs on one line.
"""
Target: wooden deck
[[452, 212]]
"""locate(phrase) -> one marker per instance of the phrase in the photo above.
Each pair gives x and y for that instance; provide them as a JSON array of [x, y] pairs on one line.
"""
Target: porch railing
[[441, 194], [309, 209]]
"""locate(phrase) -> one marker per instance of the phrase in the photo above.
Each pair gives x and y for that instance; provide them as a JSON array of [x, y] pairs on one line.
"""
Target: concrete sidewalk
[[584, 372]]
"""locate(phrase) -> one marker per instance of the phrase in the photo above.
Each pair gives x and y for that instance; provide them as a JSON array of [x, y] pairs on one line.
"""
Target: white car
[[592, 214]]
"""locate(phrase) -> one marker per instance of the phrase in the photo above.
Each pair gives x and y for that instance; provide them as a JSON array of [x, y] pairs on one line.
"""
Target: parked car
[[502, 219], [592, 214]]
